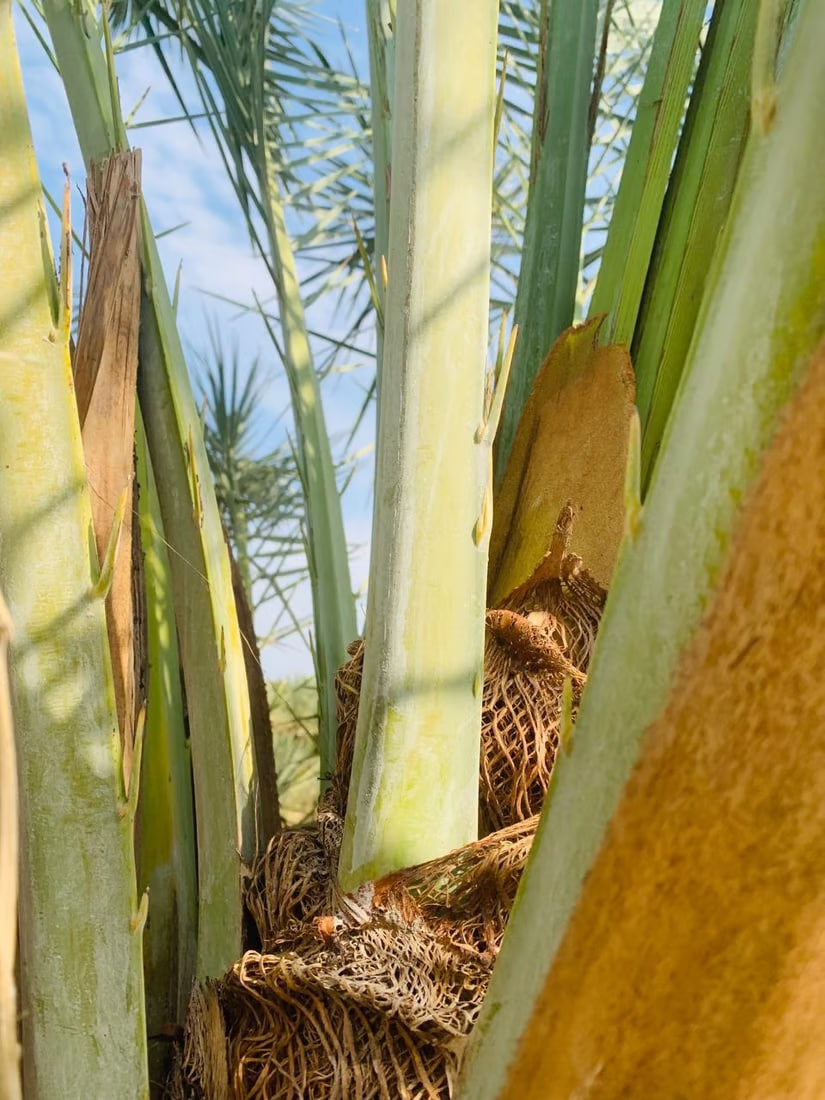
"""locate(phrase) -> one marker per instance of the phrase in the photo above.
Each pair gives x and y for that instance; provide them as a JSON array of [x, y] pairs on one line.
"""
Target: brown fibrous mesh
[[372, 995], [294, 882], [347, 695], [524, 675], [202, 1069], [544, 635], [374, 1011], [291, 883], [376, 999], [466, 896]]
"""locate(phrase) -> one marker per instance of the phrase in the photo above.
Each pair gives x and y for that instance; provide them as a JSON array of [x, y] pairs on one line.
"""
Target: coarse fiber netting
[[371, 996]]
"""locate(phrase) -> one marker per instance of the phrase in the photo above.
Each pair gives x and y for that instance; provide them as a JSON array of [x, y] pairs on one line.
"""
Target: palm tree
[[709, 209]]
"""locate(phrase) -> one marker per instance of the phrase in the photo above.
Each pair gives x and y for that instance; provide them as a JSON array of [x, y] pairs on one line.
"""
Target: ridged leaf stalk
[[414, 788]]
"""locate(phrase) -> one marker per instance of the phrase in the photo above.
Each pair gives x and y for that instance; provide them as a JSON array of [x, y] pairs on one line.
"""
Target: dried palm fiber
[[291, 882], [341, 1010], [374, 1001], [524, 673], [378, 1011], [562, 596], [202, 1068], [524, 677], [347, 694], [294, 881], [366, 996], [543, 635], [374, 996], [466, 896]]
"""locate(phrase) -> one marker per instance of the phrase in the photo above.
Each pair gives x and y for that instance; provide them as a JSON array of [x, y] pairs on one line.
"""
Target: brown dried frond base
[[524, 675], [369, 1012], [291, 883], [562, 597], [347, 695], [466, 896], [294, 881], [202, 1070], [544, 635], [374, 1001]]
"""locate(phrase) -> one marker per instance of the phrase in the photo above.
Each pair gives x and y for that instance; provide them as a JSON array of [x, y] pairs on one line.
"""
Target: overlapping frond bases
[[628, 40]]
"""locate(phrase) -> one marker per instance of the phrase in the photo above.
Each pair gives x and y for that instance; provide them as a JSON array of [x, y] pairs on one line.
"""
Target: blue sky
[[184, 182]]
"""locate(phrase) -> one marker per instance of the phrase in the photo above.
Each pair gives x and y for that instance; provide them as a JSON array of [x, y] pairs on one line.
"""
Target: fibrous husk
[[563, 597], [373, 999], [347, 694], [202, 1070], [525, 671], [291, 883], [543, 635], [371, 996], [358, 1013], [571, 444], [466, 896], [294, 882]]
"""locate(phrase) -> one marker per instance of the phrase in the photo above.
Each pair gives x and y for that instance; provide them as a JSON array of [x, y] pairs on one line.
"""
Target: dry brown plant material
[[105, 376], [371, 996], [294, 881], [376, 1011], [466, 896], [203, 1069], [571, 444], [543, 635], [541, 638], [524, 676]]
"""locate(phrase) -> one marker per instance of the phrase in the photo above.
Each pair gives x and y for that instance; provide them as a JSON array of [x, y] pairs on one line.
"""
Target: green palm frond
[[257, 487], [318, 135]]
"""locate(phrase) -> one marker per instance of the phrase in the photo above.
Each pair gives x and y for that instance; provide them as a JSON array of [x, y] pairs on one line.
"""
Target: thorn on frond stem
[[138, 921], [500, 99], [633, 479], [502, 377], [365, 260], [100, 588]]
